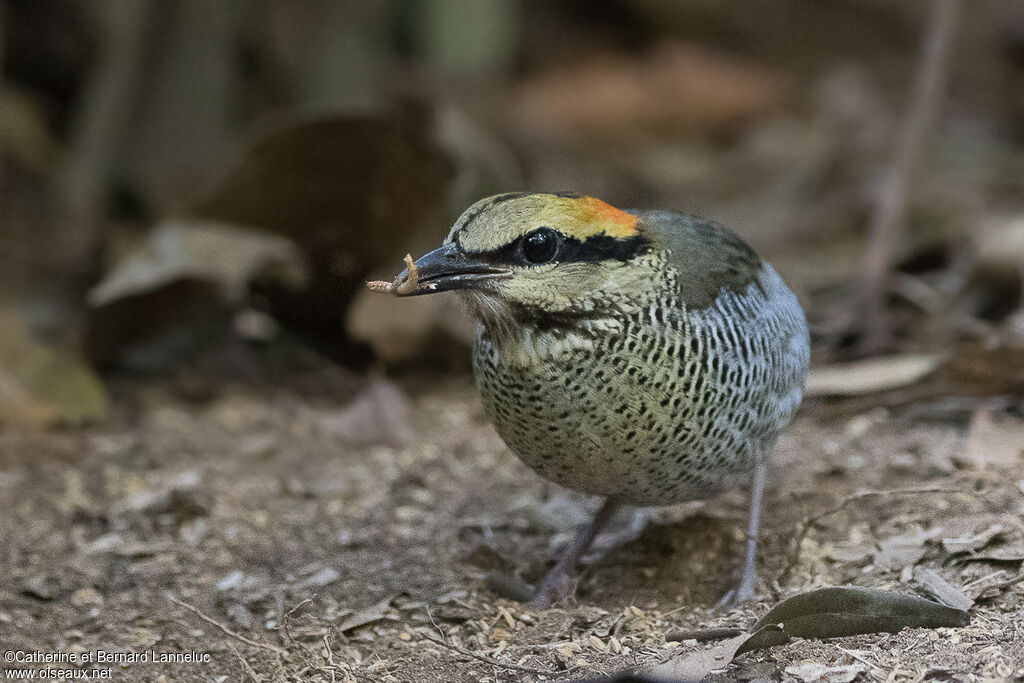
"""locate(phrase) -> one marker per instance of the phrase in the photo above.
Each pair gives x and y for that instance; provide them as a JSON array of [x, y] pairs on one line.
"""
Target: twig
[[487, 660], [1001, 586], [330, 652], [245, 665], [858, 658], [284, 620], [984, 578], [195, 610], [808, 522], [885, 230]]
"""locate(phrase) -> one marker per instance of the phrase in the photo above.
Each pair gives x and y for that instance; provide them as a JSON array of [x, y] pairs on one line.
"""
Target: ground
[[326, 527]]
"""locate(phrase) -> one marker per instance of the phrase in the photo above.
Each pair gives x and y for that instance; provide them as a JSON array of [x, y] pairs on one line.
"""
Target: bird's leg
[[745, 590], [559, 584]]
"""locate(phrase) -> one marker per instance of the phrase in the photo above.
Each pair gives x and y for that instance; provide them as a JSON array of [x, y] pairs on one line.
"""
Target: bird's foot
[[743, 592], [558, 586], [736, 597]]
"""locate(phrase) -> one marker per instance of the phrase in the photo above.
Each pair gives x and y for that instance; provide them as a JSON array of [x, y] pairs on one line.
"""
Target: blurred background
[[193, 194], [181, 176]]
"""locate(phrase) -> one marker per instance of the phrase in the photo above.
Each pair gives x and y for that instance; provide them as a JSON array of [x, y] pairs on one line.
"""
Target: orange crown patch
[[583, 217]]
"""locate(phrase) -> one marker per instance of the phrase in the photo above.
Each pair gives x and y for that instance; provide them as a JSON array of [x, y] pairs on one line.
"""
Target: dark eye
[[540, 246]]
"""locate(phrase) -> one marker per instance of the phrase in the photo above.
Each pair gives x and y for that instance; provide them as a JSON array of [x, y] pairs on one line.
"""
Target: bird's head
[[539, 255]]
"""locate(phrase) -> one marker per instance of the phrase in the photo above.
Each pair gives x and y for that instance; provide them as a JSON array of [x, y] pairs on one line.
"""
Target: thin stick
[[861, 659], [195, 610], [245, 665], [887, 219], [284, 622], [487, 660], [984, 578]]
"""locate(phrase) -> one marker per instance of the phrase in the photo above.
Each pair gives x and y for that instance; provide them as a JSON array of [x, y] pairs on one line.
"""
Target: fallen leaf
[[698, 663], [181, 249], [871, 375], [946, 593], [904, 550], [966, 544], [43, 386], [41, 587], [994, 590], [851, 610], [179, 494], [320, 578], [816, 672], [367, 615], [1006, 553], [175, 282]]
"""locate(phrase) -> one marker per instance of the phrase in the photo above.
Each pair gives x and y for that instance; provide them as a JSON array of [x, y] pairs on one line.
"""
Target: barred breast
[[665, 405]]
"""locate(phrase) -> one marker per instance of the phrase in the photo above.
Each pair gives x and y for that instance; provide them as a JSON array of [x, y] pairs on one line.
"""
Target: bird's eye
[[540, 246]]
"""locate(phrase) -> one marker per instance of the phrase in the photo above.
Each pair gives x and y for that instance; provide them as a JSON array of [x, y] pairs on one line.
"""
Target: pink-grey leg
[[559, 584], [745, 590]]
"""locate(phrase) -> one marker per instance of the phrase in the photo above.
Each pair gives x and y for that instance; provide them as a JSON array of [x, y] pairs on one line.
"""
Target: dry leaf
[[1011, 553], [698, 663], [904, 550], [847, 611], [942, 589], [871, 375], [367, 615], [182, 249], [169, 290], [815, 672], [966, 544], [41, 386]]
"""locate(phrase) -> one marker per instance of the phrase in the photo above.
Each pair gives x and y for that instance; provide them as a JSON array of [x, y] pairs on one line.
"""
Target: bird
[[647, 357]]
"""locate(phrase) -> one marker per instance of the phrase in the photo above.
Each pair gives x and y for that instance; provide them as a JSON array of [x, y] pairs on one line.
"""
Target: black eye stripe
[[600, 247]]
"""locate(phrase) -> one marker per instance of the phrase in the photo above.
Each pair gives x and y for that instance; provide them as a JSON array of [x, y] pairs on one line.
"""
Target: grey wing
[[707, 255]]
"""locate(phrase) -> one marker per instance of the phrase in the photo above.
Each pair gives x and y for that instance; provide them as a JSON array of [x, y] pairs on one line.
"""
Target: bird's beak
[[444, 269]]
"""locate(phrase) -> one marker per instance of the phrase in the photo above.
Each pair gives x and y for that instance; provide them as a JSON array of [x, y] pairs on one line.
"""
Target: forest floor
[[327, 528]]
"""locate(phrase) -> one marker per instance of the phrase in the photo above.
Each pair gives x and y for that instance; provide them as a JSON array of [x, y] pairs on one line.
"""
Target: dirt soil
[[324, 527]]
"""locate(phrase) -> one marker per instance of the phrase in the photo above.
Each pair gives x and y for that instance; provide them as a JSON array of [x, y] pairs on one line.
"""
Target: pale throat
[[524, 341]]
